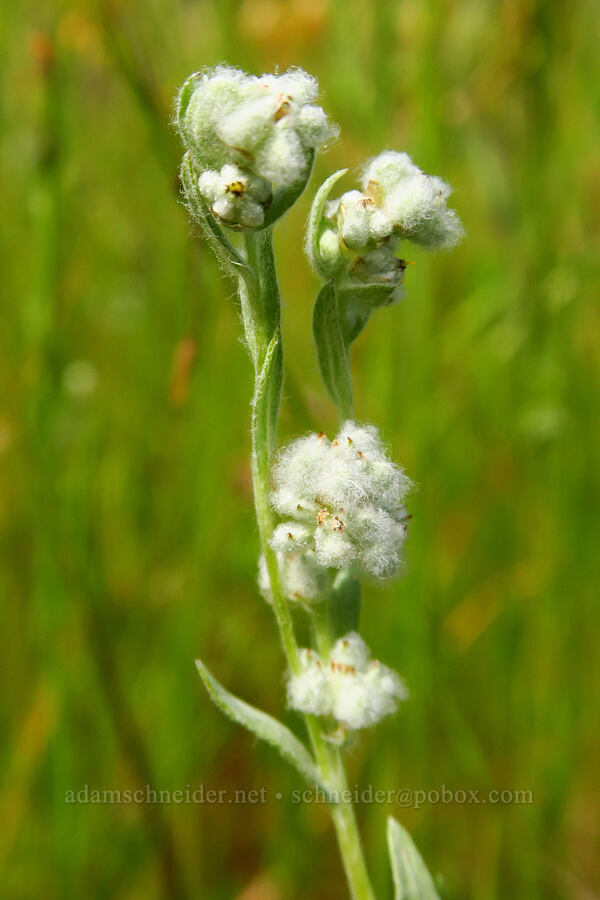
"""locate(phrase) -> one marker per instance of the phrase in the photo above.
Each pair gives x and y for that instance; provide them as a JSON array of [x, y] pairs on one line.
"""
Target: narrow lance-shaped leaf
[[183, 98], [263, 726], [412, 881], [332, 349], [258, 246], [356, 303], [315, 221]]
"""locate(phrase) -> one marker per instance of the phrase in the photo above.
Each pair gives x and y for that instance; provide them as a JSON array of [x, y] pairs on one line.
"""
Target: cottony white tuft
[[344, 500], [350, 686], [236, 197], [302, 578], [400, 199], [397, 199]]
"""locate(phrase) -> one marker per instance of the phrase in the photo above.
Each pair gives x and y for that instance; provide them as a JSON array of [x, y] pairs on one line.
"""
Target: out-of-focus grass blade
[[412, 881]]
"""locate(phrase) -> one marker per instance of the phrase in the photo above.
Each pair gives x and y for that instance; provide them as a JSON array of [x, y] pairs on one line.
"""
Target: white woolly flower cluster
[[352, 687], [302, 578], [398, 199], [360, 232], [267, 125], [343, 499], [236, 197]]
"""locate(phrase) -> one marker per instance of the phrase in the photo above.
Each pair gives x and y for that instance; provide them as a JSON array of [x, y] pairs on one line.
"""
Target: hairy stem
[[348, 837], [259, 295], [334, 772]]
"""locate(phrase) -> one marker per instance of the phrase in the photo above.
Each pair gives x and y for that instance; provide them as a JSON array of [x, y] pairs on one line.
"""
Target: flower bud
[[343, 500], [269, 127], [236, 197], [356, 690]]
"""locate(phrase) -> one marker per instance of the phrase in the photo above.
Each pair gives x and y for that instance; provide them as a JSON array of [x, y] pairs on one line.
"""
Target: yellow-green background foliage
[[126, 522]]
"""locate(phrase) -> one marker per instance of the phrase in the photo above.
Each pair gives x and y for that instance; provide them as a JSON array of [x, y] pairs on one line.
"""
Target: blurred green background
[[126, 522]]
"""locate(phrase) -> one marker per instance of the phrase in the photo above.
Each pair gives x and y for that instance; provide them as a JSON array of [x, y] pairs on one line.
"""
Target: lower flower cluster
[[350, 686]]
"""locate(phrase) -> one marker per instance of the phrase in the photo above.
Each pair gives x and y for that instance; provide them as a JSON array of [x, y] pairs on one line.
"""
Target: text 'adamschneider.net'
[[201, 795]]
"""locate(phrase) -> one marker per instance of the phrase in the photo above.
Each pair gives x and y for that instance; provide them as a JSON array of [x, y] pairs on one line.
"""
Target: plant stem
[[348, 837], [259, 296], [342, 813], [265, 530]]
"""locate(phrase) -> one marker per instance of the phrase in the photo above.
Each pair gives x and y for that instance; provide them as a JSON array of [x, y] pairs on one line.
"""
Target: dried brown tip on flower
[[282, 110], [321, 516]]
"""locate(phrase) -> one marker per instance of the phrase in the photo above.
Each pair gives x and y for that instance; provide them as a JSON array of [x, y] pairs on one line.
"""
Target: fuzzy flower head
[[342, 499], [302, 578], [268, 126], [356, 237], [236, 197], [350, 686], [398, 199]]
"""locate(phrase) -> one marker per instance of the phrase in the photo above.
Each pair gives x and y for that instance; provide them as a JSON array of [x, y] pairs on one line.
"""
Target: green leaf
[[412, 881], [227, 255], [356, 303], [263, 726], [344, 604], [332, 349], [315, 224], [258, 246], [183, 98]]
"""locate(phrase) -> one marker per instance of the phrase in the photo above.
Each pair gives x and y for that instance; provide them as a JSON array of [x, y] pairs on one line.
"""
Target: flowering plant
[[250, 145]]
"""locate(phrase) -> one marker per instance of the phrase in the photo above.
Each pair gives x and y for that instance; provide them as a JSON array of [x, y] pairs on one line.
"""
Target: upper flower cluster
[[350, 686], [344, 500], [356, 237], [268, 127]]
